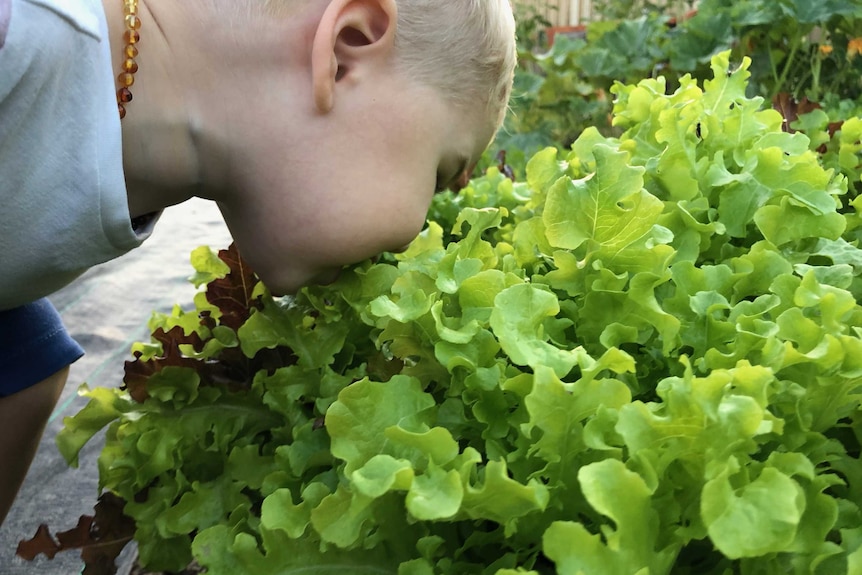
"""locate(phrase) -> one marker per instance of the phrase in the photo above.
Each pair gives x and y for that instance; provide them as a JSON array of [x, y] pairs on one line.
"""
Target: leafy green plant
[[805, 49], [800, 50], [559, 93], [531, 27], [645, 358]]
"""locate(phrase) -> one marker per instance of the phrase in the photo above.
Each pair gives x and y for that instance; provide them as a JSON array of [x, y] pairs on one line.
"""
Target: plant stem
[[815, 72], [772, 62], [794, 47]]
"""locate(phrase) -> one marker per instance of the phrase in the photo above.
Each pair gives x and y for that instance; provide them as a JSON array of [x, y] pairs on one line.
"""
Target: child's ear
[[349, 33]]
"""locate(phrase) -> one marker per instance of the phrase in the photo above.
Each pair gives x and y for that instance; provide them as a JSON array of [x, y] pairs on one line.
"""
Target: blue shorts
[[34, 345]]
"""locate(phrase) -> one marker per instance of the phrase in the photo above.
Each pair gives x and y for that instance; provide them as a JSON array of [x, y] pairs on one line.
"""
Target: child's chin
[[322, 279], [327, 278]]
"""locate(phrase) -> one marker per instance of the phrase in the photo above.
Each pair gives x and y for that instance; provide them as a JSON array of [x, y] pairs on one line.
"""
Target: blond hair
[[463, 48]]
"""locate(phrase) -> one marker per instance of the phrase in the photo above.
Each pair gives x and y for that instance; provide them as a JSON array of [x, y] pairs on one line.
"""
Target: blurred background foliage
[[806, 59]]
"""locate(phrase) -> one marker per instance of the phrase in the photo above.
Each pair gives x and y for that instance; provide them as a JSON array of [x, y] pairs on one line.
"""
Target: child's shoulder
[[85, 16]]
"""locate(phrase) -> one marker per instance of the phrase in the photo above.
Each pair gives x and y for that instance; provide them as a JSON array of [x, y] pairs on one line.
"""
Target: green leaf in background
[[502, 499], [279, 326], [223, 551], [279, 513], [208, 266], [358, 420], [436, 494], [104, 407], [519, 314], [609, 208], [623, 497], [755, 519], [544, 169], [381, 474], [560, 411]]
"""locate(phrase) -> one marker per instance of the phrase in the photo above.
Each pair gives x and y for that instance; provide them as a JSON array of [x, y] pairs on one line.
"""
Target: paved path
[[105, 310]]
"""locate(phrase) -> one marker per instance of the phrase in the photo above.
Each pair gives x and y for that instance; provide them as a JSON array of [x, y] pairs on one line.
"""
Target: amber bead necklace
[[130, 51]]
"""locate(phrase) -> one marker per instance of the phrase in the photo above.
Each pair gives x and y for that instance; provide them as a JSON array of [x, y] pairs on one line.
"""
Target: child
[[320, 127]]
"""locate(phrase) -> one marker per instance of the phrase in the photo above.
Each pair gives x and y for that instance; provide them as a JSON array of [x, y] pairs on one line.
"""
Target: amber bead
[[126, 79], [129, 66]]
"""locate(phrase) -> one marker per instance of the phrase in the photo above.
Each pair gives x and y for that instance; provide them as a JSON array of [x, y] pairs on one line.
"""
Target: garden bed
[[643, 357]]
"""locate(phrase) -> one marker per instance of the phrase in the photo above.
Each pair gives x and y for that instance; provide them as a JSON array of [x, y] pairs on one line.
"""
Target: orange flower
[[825, 49], [854, 47]]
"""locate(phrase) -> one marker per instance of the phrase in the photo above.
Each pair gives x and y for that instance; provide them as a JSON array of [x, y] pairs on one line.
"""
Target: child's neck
[[159, 156], [178, 138]]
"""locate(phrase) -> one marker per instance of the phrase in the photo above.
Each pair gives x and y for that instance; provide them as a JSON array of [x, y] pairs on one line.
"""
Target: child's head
[[386, 101], [463, 48]]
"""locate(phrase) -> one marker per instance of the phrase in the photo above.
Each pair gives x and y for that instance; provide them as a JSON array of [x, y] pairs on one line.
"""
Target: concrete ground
[[106, 310]]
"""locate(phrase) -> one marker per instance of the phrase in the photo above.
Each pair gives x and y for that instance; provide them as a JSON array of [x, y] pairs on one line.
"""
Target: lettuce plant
[[801, 51], [644, 359]]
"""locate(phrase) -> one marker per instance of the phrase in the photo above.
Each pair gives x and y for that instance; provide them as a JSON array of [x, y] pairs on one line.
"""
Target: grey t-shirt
[[63, 206]]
